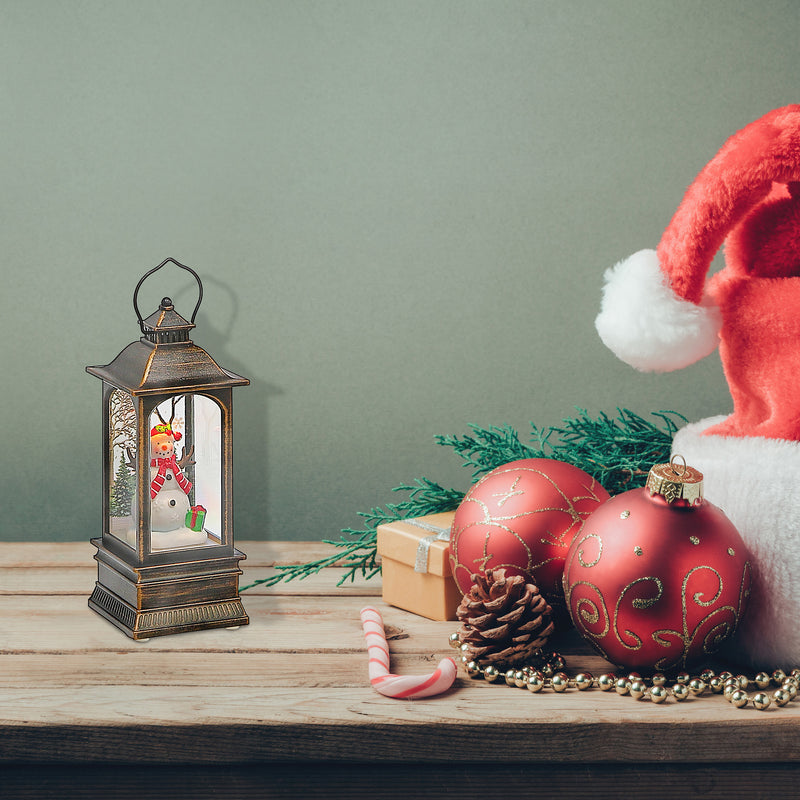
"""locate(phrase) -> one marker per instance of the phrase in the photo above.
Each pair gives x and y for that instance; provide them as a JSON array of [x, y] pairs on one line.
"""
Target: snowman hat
[[165, 428], [655, 313]]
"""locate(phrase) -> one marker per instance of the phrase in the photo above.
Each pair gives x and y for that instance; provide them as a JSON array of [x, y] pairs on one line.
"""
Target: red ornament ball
[[655, 584], [522, 517]]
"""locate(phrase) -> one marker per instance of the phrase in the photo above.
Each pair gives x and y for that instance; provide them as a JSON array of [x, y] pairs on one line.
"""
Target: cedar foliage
[[617, 451]]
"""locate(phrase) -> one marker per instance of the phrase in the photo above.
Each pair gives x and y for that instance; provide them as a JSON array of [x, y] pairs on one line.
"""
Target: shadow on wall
[[250, 404]]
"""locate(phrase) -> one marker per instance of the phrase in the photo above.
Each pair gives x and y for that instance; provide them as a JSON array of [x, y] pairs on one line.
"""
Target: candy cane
[[406, 687]]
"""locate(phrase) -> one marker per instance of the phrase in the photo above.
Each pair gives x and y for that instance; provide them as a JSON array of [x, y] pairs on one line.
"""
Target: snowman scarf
[[163, 465]]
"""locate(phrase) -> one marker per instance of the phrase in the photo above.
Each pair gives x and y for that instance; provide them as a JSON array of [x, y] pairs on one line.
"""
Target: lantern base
[[149, 601]]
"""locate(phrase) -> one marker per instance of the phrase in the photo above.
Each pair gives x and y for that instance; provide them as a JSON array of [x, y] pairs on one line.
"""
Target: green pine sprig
[[489, 448], [356, 549], [617, 451]]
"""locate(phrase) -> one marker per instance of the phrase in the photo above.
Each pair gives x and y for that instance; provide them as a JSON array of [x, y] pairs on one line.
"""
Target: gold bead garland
[[547, 673]]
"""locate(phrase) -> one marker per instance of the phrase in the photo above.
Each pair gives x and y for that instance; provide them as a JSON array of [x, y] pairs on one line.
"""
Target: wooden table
[[283, 707]]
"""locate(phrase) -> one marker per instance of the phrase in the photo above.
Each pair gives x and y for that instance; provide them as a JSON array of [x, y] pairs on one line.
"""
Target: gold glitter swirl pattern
[[641, 603], [506, 522], [647, 602], [713, 637], [588, 606], [504, 497], [580, 550], [697, 595], [717, 635], [592, 610], [744, 587]]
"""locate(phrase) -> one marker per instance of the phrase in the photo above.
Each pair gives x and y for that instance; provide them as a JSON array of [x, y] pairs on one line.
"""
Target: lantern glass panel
[[122, 500], [185, 473]]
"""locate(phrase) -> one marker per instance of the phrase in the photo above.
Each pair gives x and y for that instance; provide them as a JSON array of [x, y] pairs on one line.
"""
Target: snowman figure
[[169, 487]]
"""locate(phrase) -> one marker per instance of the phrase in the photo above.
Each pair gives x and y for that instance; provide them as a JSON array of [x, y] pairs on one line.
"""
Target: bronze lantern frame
[[144, 591]]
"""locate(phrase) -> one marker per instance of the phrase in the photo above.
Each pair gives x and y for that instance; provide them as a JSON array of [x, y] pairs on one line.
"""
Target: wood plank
[[292, 687], [76, 554], [276, 670], [279, 623], [376, 781], [80, 580], [42, 623], [319, 700], [49, 554], [214, 724]]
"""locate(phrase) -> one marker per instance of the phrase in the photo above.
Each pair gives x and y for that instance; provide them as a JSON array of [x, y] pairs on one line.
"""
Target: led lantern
[[166, 559]]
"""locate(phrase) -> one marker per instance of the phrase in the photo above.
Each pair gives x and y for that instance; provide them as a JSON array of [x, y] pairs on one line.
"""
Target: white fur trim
[[754, 481], [643, 322]]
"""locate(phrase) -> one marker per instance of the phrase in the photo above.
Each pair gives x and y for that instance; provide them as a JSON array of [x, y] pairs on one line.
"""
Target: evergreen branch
[[489, 448], [618, 452], [357, 549]]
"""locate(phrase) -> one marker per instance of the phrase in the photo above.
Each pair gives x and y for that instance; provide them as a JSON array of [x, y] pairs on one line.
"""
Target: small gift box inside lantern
[[195, 518], [166, 558], [415, 559]]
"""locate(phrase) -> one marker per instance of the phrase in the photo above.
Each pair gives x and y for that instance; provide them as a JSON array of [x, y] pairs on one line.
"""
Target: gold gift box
[[415, 558]]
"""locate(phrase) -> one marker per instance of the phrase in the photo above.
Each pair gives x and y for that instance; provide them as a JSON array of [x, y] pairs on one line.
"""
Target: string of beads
[[546, 672]]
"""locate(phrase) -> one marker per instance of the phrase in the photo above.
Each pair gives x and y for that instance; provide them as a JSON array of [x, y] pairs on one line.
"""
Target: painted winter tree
[[122, 441], [122, 490]]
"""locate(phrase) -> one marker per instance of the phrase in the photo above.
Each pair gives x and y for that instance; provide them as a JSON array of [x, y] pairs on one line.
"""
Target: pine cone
[[504, 620]]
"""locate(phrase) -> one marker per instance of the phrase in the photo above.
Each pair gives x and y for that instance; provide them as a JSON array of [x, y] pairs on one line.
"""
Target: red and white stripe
[[163, 464], [407, 687]]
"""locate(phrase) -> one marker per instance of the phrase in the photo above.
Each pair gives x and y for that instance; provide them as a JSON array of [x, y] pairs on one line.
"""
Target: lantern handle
[[155, 269]]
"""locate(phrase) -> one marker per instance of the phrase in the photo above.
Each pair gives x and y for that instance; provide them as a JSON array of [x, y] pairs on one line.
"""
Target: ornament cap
[[676, 482]]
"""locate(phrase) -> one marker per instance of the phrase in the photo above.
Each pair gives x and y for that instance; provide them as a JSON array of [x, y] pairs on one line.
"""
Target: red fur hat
[[659, 312]]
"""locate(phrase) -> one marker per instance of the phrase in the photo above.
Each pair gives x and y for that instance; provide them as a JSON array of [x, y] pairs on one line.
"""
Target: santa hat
[[654, 314], [659, 314]]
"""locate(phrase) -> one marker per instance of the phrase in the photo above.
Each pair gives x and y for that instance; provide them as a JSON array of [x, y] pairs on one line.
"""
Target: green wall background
[[401, 212]]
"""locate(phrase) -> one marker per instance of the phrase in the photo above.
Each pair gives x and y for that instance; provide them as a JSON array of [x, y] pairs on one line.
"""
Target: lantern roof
[[165, 360]]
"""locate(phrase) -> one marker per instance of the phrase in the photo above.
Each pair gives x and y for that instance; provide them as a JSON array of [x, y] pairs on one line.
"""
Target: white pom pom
[[644, 323]]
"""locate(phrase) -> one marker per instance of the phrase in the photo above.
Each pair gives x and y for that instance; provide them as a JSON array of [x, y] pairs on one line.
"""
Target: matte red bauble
[[659, 577], [522, 517]]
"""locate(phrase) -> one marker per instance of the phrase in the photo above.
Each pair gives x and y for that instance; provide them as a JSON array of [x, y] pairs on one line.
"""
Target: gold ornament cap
[[675, 481]]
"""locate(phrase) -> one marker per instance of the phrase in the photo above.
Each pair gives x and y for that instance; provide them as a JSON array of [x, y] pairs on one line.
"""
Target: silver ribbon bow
[[423, 548]]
